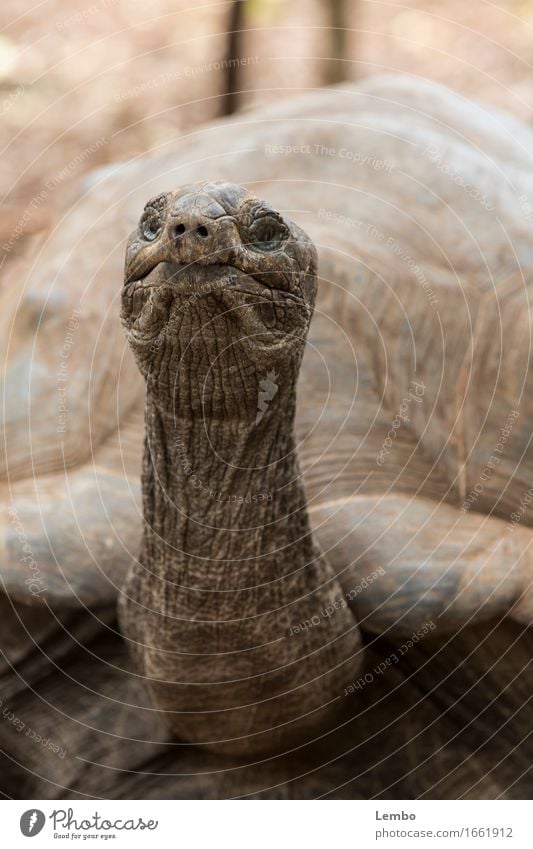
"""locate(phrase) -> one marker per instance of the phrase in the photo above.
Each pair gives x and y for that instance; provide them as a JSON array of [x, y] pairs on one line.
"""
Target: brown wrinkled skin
[[223, 574]]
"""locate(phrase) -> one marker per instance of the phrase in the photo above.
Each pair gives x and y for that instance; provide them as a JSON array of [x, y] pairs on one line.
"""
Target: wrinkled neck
[[221, 488]]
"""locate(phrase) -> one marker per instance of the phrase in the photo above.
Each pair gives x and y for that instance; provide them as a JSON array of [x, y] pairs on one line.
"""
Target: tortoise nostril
[[180, 229]]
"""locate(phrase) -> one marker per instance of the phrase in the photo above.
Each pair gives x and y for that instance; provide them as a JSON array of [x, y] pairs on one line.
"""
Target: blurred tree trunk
[[335, 71], [232, 87]]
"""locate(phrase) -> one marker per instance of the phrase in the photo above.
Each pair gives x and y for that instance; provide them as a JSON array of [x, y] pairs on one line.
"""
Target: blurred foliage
[[261, 12]]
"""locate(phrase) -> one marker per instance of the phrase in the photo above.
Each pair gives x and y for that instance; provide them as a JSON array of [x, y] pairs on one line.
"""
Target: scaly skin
[[217, 302]]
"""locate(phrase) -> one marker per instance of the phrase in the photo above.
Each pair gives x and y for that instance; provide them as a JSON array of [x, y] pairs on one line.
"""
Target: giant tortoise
[[325, 587]]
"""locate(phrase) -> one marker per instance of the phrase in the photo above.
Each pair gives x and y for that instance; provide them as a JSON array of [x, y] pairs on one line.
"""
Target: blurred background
[[88, 82]]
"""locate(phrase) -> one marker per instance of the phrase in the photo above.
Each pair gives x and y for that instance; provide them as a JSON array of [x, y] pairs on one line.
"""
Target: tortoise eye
[[267, 234], [151, 222], [151, 225]]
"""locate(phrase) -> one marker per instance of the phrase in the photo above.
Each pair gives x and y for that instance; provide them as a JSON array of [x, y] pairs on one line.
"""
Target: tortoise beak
[[140, 261]]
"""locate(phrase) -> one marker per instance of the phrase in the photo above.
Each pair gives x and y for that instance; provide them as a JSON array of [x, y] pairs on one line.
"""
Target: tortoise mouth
[[168, 291], [198, 279]]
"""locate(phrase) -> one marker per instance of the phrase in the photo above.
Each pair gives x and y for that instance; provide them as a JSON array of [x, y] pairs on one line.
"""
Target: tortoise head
[[216, 283]]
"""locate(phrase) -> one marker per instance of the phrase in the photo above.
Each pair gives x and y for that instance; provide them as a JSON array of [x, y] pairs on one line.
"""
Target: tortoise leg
[[404, 562], [68, 538]]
